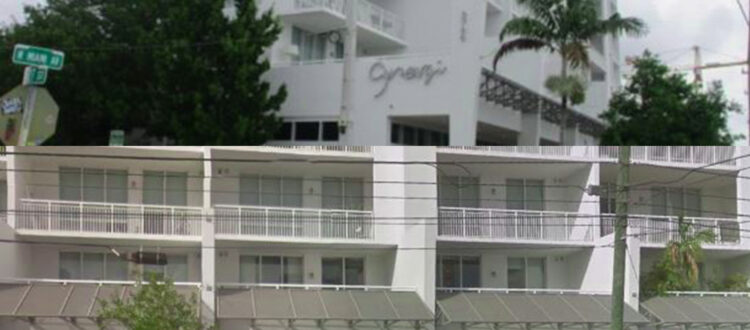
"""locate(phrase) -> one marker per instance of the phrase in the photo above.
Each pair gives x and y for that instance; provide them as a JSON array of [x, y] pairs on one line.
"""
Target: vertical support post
[[350, 56], [208, 246], [621, 222]]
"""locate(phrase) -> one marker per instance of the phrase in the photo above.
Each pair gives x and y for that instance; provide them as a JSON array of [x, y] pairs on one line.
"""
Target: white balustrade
[[656, 229]]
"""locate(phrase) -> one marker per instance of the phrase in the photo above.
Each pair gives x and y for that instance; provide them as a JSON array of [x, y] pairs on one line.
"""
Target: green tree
[[736, 282], [155, 305], [565, 27], [679, 267], [659, 107], [175, 70]]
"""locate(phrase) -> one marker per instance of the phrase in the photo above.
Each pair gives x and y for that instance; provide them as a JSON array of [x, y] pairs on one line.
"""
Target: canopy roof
[[523, 308], [71, 300], [320, 305], [709, 310]]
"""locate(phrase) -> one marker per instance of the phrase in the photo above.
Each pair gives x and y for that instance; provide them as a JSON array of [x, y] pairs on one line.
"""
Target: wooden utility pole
[[621, 224]]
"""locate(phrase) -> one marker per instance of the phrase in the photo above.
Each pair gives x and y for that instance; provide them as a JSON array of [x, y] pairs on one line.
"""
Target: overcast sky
[[674, 27]]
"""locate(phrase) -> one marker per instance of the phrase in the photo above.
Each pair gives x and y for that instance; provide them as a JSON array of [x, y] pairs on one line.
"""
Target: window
[[176, 269], [271, 269], [455, 191], [458, 272], [165, 188], [525, 194], [343, 271], [308, 131], [270, 191], [608, 198], [414, 136], [311, 46], [676, 201], [92, 266], [343, 193], [93, 185], [526, 273]]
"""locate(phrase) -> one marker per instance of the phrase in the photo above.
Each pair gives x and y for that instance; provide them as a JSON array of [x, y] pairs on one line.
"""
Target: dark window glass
[[395, 133], [355, 271], [409, 136], [330, 131], [470, 271], [284, 133], [307, 131], [333, 271]]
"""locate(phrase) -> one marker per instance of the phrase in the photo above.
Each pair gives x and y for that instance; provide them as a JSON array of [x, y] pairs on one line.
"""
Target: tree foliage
[[179, 70], [658, 107], [155, 305], [565, 27], [678, 269], [737, 282]]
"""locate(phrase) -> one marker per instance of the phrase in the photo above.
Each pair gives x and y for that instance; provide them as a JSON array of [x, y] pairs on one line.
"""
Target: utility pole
[[350, 55], [698, 65], [621, 223], [748, 72]]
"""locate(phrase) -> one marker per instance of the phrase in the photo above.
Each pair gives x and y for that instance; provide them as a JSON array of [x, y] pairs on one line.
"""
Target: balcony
[[283, 223], [468, 224], [378, 27], [722, 156], [658, 230], [333, 149], [126, 220]]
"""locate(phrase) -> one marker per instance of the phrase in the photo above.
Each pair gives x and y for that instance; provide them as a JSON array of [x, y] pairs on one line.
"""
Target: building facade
[[425, 77], [356, 237]]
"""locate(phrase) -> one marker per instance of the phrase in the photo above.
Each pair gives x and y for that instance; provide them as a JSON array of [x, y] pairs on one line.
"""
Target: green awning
[[518, 308], [320, 305], [64, 300], [706, 310]]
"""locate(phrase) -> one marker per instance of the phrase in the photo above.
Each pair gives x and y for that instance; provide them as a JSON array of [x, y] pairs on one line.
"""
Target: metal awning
[[699, 310], [499, 308], [321, 305], [63, 300]]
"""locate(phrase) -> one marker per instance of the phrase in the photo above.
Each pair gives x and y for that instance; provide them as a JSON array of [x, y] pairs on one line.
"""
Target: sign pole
[[28, 114]]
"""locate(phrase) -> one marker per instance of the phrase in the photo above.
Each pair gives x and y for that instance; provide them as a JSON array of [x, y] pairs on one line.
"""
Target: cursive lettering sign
[[379, 72]]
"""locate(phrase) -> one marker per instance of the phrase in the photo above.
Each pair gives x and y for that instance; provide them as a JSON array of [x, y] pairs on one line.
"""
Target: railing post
[[515, 223], [143, 220], [346, 225], [463, 222], [112, 218], [294, 222], [49, 216], [713, 155], [266, 213], [173, 227], [80, 216], [320, 223]]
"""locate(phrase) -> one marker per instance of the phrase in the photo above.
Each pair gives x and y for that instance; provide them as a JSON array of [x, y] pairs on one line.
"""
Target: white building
[[423, 76], [355, 237]]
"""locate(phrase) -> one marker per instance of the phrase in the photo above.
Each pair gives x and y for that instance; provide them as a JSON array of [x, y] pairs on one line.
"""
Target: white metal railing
[[368, 14], [525, 291], [317, 287], [677, 154], [555, 151], [346, 149], [656, 229], [708, 294], [472, 223], [380, 19], [69, 281], [333, 5], [293, 222], [72, 216]]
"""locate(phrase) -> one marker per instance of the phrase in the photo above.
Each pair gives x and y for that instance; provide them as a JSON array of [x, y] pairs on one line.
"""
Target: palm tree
[[679, 268], [565, 27]]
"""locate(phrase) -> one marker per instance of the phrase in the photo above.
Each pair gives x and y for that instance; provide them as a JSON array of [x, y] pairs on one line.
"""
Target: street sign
[[34, 76], [31, 110], [38, 56], [116, 138]]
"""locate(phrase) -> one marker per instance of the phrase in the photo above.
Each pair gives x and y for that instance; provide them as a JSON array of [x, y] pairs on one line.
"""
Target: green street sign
[[38, 56], [34, 76], [117, 138]]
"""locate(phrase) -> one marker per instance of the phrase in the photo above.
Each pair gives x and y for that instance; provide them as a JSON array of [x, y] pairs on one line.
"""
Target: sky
[[675, 26]]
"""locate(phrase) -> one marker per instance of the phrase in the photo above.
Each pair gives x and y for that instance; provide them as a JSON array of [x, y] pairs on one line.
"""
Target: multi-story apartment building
[[425, 77], [359, 237]]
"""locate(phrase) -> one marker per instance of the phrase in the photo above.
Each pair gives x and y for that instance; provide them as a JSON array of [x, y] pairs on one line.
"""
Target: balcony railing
[[346, 149], [90, 217], [689, 155], [653, 229], [492, 224], [552, 151], [368, 14], [293, 222]]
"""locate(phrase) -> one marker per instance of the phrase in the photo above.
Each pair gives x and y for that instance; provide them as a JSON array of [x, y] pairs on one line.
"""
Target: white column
[[208, 247], [743, 192], [530, 129], [414, 264]]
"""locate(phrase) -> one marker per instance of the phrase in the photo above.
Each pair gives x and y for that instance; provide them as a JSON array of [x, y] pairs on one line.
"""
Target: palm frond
[[618, 25], [544, 10], [519, 45], [571, 87], [526, 27], [576, 54]]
